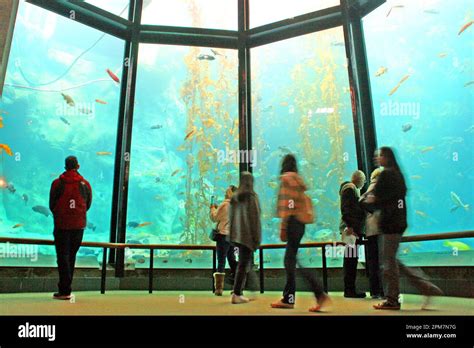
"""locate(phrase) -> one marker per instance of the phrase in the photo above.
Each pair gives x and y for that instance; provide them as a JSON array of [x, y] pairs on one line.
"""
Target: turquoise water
[[185, 127]]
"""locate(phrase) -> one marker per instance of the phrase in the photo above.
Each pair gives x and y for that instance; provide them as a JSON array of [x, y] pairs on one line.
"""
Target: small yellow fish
[[442, 55], [7, 149], [1, 122], [458, 245], [104, 153], [426, 149], [143, 224], [399, 84], [273, 184], [416, 177], [284, 103], [421, 213], [17, 225], [181, 147], [175, 172], [190, 134], [208, 123], [382, 70]]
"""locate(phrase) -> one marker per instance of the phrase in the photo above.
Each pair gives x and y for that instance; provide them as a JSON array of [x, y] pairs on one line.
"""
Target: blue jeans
[[225, 250], [295, 232]]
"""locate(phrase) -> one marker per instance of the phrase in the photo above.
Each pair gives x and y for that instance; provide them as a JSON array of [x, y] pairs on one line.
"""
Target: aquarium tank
[[62, 97]]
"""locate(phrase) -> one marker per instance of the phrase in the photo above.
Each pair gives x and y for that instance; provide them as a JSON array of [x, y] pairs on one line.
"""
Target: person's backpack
[[306, 214], [72, 198]]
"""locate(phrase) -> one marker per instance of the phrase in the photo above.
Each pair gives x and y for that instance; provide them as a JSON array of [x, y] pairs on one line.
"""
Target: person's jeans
[[67, 243], [295, 232], [225, 249], [243, 268], [373, 266], [351, 258], [392, 268]]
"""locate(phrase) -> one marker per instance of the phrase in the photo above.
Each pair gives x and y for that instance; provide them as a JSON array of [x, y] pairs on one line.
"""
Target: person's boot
[[219, 283]]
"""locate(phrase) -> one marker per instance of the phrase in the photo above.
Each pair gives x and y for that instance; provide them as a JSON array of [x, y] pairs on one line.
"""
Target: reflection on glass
[[421, 73], [185, 122], [116, 7], [301, 104], [260, 14], [212, 14], [49, 110]]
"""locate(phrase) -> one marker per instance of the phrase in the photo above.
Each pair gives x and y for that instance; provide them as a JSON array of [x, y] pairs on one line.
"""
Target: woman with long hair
[[290, 204], [245, 231], [389, 197]]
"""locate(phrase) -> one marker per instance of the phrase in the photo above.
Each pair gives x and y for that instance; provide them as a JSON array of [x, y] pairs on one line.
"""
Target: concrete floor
[[204, 303]]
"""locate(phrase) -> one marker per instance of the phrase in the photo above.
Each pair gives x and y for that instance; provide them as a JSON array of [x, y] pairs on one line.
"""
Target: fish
[[157, 126], [17, 225], [393, 7], [165, 261], [113, 76], [188, 260], [7, 149], [157, 179], [25, 198], [337, 43], [421, 213], [426, 149], [41, 210], [91, 226], [208, 122], [190, 134], [133, 224], [406, 127], [430, 11], [399, 84], [331, 172], [11, 188], [205, 57], [217, 53], [382, 70], [68, 99], [64, 120], [175, 172], [469, 83], [284, 103], [458, 245], [442, 54], [457, 202], [143, 224], [464, 27], [103, 153], [1, 122], [416, 177], [100, 101], [273, 184]]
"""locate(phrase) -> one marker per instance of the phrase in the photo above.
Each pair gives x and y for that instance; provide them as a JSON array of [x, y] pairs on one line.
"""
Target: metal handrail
[[152, 247]]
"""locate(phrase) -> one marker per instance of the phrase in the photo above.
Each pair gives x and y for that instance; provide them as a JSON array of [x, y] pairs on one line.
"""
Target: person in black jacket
[[351, 228], [389, 198]]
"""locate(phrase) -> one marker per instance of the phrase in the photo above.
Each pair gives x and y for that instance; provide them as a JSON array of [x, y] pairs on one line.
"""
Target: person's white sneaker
[[239, 299]]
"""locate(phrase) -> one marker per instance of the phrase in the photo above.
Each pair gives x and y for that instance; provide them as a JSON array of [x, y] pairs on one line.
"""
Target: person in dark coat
[[244, 231], [351, 228], [69, 200], [389, 197]]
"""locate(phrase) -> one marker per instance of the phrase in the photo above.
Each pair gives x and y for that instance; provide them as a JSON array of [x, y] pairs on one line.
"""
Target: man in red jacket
[[70, 198]]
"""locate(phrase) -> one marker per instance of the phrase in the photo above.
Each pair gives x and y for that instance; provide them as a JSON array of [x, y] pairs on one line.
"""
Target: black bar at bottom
[[262, 274], [150, 273], [325, 269], [214, 268], [104, 272]]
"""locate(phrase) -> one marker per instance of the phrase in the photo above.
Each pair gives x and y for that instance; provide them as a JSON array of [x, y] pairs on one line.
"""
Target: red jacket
[[70, 198]]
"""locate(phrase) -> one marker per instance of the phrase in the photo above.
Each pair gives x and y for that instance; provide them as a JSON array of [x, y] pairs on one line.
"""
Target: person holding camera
[[220, 214]]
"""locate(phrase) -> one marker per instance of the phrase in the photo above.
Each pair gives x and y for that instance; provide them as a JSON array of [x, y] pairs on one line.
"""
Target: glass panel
[[284, 9], [116, 7], [58, 101], [212, 14], [301, 104], [185, 119], [422, 80]]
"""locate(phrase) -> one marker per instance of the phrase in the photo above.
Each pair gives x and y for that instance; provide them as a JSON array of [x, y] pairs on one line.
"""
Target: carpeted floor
[[204, 303]]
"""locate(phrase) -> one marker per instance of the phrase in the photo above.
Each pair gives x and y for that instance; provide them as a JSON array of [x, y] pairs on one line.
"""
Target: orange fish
[[175, 172], [399, 84], [465, 26], [190, 134], [17, 225], [100, 101], [143, 224], [7, 149], [113, 76], [1, 122], [104, 153]]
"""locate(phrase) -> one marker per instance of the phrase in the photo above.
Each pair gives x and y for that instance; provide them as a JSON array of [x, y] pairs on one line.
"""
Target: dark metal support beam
[[88, 15], [245, 136], [363, 115], [127, 102]]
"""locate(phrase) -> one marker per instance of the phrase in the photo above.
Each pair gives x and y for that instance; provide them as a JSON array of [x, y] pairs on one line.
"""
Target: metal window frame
[[348, 15]]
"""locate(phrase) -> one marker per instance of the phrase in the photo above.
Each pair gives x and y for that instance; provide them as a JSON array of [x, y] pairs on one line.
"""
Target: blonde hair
[[358, 175], [375, 174]]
